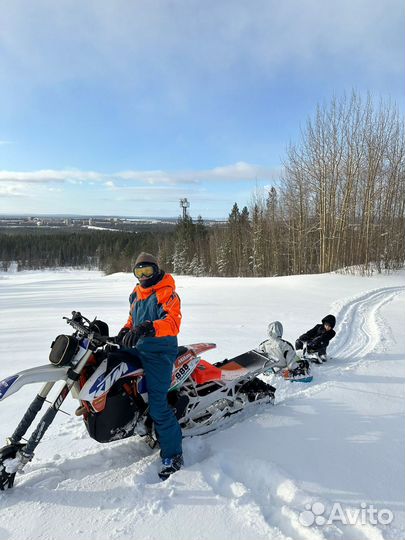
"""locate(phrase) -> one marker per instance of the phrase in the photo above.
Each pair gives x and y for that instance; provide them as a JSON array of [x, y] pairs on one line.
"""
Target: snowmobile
[[113, 396]]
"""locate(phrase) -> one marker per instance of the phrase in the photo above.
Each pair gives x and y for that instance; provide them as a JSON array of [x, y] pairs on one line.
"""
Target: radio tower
[[184, 204]]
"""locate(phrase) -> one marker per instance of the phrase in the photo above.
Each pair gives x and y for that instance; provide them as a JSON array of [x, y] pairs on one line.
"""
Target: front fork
[[26, 452], [30, 414]]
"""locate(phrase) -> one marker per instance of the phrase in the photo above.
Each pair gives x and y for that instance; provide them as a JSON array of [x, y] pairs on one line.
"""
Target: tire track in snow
[[360, 332]]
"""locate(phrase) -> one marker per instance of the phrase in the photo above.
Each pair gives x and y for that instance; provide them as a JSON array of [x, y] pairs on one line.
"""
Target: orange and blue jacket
[[161, 305]]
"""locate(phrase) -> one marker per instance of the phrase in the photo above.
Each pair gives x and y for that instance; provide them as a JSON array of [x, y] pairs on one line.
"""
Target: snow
[[95, 228], [339, 439]]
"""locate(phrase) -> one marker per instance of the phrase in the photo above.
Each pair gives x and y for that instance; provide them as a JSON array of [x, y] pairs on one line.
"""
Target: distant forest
[[340, 203]]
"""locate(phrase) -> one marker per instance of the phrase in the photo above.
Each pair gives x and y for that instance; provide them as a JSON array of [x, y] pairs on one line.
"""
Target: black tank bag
[[63, 350]]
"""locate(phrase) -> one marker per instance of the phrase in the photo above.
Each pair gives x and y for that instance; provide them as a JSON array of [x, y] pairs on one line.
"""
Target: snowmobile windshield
[[275, 329]]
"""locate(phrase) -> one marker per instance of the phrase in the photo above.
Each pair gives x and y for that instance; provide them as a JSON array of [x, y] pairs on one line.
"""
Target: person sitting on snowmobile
[[150, 334], [316, 340], [282, 353]]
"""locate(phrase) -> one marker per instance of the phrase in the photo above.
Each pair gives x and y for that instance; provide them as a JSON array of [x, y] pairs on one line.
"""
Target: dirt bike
[[112, 391]]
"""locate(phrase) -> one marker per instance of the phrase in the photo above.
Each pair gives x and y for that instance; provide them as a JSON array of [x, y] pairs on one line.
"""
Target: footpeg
[[80, 411]]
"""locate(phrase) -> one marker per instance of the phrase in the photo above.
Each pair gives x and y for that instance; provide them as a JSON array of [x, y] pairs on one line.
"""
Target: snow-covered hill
[[339, 439]]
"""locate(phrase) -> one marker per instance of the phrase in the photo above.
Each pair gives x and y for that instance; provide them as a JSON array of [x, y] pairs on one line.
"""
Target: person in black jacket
[[317, 339]]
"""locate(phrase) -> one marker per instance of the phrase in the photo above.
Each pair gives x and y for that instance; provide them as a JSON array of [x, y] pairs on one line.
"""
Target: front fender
[[46, 373]]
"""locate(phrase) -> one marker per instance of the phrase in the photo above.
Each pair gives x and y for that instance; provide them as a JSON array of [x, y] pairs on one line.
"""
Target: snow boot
[[170, 466], [301, 373]]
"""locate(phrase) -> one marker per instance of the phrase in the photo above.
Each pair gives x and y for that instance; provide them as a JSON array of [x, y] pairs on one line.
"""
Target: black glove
[[131, 338], [315, 344], [146, 329], [118, 339], [301, 369], [298, 344], [303, 365]]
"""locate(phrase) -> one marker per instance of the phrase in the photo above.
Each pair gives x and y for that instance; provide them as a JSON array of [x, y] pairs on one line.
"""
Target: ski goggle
[[144, 271]]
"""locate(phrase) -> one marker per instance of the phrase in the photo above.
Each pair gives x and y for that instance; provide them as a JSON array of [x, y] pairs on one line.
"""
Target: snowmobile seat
[[244, 363]]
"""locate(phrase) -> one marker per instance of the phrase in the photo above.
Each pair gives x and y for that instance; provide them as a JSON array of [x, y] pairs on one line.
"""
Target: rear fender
[[47, 373], [199, 348], [187, 362], [183, 369]]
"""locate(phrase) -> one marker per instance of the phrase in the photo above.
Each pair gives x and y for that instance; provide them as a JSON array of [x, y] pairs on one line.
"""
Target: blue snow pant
[[158, 367]]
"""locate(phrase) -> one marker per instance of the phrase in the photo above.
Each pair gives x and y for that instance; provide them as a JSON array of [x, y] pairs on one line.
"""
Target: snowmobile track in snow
[[359, 330], [359, 333]]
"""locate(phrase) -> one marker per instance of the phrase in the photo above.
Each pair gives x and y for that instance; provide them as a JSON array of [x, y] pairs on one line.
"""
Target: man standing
[[151, 333]]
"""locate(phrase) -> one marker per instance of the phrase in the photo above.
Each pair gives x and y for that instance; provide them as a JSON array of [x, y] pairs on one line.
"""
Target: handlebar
[[83, 325]]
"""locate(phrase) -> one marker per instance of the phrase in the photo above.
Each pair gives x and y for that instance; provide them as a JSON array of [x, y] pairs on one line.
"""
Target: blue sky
[[122, 107]]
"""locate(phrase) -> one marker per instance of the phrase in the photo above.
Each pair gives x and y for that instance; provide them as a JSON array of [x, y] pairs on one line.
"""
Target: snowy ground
[[339, 439]]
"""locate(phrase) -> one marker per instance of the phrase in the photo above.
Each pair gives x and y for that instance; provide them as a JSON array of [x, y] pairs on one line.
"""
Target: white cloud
[[239, 171], [155, 177], [188, 41], [132, 192], [47, 175], [11, 191], [242, 171]]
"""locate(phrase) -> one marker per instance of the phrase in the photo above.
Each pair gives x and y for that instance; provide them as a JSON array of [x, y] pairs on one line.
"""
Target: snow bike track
[[254, 497], [359, 334], [360, 316]]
